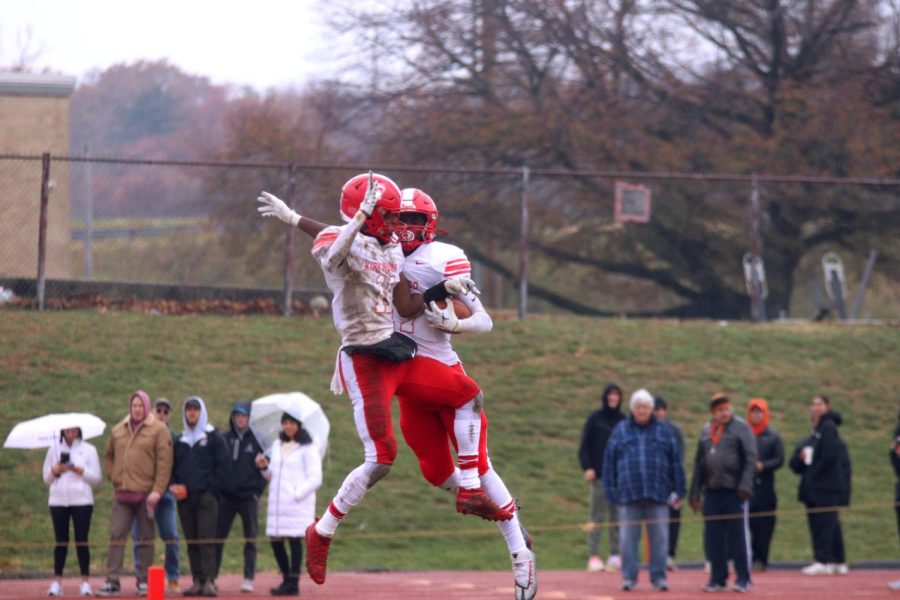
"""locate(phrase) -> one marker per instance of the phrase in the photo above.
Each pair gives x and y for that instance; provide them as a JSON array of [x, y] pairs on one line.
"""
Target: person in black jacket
[[241, 489], [200, 465], [823, 464], [770, 458], [895, 461], [597, 429]]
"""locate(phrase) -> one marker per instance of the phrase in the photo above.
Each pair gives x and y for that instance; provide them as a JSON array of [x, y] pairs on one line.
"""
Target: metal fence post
[[88, 216], [289, 246], [757, 302], [523, 246], [42, 229]]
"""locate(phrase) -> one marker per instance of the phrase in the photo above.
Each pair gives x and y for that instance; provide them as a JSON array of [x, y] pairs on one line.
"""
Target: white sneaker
[[55, 589], [613, 563], [839, 568], [247, 586], [524, 574], [595, 564], [817, 568], [670, 564], [894, 585], [85, 589]]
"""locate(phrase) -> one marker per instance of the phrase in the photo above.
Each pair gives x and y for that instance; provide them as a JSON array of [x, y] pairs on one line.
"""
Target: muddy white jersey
[[428, 265], [362, 285]]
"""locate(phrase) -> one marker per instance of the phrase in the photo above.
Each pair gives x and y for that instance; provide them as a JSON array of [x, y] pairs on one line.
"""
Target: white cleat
[[524, 574]]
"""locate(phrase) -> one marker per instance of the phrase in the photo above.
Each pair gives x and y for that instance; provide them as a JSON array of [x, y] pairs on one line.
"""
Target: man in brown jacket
[[138, 461]]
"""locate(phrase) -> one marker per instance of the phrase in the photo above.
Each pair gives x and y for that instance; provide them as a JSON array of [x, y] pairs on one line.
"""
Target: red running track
[[482, 585]]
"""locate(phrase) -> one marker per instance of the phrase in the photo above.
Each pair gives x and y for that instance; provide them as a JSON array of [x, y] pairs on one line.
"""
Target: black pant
[[81, 519], [674, 528], [248, 508], [825, 531], [199, 517], [762, 528], [281, 557], [725, 537]]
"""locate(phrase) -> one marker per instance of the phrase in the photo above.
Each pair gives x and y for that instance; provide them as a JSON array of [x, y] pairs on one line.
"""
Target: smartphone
[[64, 458]]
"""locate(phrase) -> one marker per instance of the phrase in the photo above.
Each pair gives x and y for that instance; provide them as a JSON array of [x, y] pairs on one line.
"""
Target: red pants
[[372, 382]]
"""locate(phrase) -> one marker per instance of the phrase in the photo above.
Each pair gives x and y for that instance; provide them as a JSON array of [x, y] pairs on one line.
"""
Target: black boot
[[289, 587]]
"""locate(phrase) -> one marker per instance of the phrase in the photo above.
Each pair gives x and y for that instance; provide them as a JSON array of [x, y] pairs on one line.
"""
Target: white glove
[[373, 195], [444, 319], [461, 285], [272, 206]]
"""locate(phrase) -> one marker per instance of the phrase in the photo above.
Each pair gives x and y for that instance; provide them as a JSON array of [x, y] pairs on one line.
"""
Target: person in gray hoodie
[[241, 490], [597, 429], [723, 480]]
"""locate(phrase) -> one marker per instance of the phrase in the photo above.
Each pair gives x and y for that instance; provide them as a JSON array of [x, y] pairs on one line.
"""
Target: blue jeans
[[632, 517], [167, 524]]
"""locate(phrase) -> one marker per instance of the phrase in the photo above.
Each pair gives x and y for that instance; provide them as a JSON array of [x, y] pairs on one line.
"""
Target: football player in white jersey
[[427, 427], [362, 263]]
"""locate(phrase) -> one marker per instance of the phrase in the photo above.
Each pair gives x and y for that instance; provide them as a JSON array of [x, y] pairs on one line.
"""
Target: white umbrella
[[43, 432], [265, 418]]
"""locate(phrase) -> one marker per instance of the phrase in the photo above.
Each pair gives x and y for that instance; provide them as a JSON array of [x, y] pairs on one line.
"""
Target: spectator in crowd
[[241, 489], [597, 429], [201, 463], [294, 471], [166, 517], [823, 463], [721, 485], [895, 461], [71, 469], [138, 462], [643, 475], [661, 412], [770, 458]]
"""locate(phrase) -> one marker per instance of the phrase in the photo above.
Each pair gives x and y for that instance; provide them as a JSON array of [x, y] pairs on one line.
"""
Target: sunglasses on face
[[162, 411]]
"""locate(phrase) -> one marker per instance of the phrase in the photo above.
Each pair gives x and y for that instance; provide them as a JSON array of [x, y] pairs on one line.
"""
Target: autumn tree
[[776, 87]]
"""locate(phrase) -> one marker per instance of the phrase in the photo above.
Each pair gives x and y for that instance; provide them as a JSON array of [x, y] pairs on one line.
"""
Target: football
[[459, 307]]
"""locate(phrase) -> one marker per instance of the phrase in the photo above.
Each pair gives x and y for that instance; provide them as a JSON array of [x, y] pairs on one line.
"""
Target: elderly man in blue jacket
[[643, 475]]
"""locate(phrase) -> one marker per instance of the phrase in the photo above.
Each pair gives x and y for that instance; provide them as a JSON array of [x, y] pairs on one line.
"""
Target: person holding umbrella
[[294, 472], [71, 470]]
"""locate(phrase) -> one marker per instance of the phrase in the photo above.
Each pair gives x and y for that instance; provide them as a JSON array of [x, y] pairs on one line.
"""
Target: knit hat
[[641, 396], [717, 399], [660, 402], [163, 402]]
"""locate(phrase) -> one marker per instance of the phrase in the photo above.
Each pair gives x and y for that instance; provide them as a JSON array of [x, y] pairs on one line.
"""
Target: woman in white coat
[[71, 469], [294, 472]]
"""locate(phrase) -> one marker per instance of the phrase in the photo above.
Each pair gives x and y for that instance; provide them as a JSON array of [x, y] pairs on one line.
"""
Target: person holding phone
[[72, 470], [294, 472]]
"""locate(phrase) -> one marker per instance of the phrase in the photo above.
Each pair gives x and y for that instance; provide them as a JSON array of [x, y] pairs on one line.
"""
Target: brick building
[[34, 118]]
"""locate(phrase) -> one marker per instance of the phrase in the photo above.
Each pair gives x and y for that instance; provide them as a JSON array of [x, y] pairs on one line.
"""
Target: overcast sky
[[262, 43]]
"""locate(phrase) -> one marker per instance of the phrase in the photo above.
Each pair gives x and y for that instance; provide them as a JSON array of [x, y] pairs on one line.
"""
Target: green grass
[[541, 378]]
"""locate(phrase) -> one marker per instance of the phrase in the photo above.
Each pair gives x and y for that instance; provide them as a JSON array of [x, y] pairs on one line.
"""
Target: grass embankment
[[541, 378]]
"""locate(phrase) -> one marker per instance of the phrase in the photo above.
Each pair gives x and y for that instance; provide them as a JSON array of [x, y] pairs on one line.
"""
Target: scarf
[[762, 405], [716, 430]]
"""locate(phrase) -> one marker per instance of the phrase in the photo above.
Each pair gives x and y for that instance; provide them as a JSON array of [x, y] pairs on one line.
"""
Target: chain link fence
[[540, 239]]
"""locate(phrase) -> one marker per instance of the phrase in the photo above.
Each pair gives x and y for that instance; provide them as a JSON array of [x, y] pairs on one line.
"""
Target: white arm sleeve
[[92, 473], [339, 250], [480, 321]]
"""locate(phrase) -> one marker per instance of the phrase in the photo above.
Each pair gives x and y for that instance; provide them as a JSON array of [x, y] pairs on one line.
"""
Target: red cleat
[[476, 502], [316, 553]]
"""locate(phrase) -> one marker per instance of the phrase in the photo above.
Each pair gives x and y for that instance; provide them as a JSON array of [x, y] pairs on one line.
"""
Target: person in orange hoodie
[[770, 457]]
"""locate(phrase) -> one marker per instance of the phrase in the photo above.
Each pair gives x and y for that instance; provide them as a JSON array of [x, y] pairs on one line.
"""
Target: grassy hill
[[541, 378]]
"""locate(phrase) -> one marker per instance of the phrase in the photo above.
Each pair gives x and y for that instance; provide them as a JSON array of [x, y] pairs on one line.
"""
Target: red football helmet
[[384, 220], [423, 230]]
